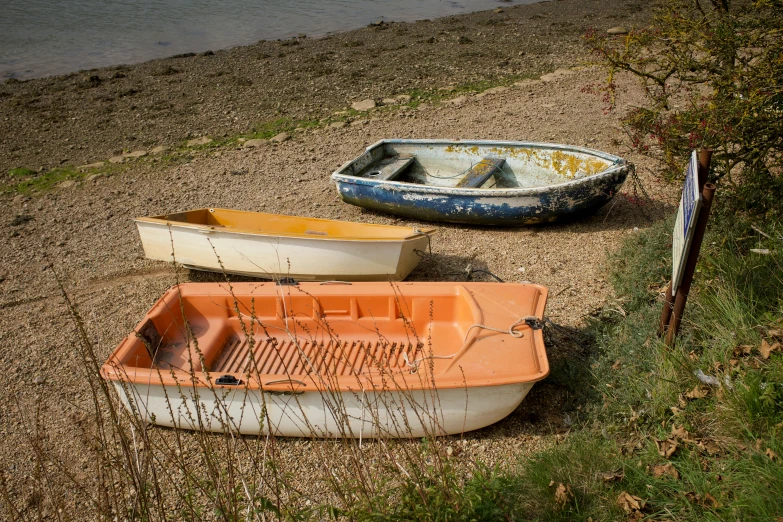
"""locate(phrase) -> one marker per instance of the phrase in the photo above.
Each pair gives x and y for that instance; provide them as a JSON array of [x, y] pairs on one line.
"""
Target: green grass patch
[[681, 449], [419, 96], [27, 181], [21, 172], [270, 129]]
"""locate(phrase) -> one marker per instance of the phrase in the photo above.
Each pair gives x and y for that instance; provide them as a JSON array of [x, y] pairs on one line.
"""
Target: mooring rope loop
[[530, 320]]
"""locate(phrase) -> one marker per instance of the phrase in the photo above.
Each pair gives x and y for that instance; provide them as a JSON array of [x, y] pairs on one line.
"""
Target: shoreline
[[84, 229], [140, 36], [84, 117]]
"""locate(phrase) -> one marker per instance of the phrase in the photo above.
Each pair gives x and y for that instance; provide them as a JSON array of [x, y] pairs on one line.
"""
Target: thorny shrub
[[712, 72]]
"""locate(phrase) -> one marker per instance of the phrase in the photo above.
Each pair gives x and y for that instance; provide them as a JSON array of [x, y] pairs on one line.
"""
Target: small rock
[[20, 219], [403, 98], [160, 149], [280, 138], [557, 74], [377, 23], [364, 105], [136, 154], [521, 269], [462, 40], [39, 380], [338, 125], [340, 113], [495, 90], [117, 159], [89, 166], [19, 199], [390, 101], [204, 140], [251, 144], [93, 177], [459, 100], [356, 123], [528, 83], [617, 30], [448, 88], [498, 10], [68, 183]]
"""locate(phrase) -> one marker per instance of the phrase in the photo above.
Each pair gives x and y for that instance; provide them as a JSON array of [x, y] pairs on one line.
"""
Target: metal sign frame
[[685, 222]]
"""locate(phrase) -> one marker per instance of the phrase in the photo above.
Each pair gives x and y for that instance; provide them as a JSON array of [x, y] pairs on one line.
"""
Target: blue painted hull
[[490, 207]]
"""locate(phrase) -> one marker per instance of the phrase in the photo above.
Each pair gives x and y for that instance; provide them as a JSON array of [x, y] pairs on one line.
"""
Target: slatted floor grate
[[284, 357]]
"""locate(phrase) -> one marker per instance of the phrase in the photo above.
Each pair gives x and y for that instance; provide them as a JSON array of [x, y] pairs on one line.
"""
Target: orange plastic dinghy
[[334, 360]]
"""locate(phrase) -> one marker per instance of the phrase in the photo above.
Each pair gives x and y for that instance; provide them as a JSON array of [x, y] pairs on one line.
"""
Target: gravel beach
[[84, 228]]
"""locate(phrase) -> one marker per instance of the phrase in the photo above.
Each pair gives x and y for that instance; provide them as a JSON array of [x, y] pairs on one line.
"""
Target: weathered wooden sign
[[689, 227], [685, 222]]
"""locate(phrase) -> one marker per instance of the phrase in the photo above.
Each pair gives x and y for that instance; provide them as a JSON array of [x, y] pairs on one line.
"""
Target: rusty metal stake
[[681, 297], [666, 312]]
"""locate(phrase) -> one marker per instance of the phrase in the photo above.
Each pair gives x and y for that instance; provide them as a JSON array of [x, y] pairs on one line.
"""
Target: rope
[[414, 366], [513, 333], [528, 319]]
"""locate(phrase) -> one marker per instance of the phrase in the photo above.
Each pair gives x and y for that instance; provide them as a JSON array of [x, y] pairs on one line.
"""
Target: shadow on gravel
[[445, 267], [201, 276], [620, 213], [557, 403]]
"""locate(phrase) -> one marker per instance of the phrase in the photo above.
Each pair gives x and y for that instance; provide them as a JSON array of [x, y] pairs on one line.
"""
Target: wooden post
[[705, 156], [666, 312], [681, 297]]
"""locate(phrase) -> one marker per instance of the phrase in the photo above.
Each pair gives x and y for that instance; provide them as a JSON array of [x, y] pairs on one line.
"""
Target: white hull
[[273, 257], [354, 414]]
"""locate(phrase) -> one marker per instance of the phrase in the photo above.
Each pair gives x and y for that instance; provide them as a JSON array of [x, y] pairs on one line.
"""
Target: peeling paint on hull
[[494, 206]]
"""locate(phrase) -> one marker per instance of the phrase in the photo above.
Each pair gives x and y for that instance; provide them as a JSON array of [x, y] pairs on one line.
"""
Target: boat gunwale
[[618, 165], [117, 371], [417, 232]]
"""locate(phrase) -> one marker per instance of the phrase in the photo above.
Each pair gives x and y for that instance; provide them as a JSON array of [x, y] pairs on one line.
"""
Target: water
[[45, 37]]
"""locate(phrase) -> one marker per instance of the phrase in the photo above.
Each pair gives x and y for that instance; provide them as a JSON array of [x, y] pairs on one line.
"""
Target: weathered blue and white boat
[[481, 182]]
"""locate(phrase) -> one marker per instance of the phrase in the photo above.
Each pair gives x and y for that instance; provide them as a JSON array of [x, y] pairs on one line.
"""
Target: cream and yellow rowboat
[[273, 246]]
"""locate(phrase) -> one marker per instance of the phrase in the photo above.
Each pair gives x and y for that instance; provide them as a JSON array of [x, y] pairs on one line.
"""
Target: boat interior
[[474, 166], [275, 224], [297, 334]]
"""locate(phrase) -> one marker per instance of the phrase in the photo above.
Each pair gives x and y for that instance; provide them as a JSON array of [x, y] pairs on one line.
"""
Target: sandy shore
[[91, 115], [86, 232]]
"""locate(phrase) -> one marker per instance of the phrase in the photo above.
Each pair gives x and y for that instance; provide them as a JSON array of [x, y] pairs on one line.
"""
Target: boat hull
[[273, 257], [325, 414], [333, 360], [481, 206]]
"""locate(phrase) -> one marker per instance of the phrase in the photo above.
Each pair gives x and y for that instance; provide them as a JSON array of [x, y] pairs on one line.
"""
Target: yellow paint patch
[[566, 165]]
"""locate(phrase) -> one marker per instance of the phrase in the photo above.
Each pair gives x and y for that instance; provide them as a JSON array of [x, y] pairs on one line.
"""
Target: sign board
[[685, 223]]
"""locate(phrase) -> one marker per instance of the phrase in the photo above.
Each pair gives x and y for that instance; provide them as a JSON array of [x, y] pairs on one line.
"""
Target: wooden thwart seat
[[480, 173], [389, 168]]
